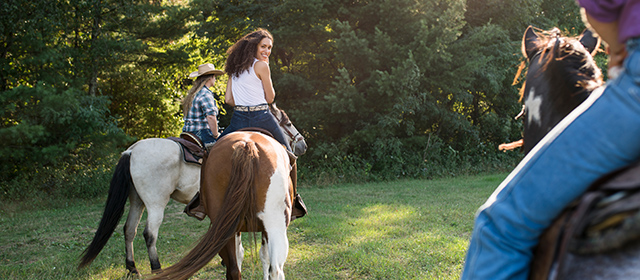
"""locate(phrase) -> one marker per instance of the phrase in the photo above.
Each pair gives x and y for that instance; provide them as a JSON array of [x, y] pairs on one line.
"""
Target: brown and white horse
[[247, 186], [150, 173]]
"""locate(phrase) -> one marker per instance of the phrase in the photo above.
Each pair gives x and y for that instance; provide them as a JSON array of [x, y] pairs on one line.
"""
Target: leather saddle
[[195, 209], [193, 149], [604, 218]]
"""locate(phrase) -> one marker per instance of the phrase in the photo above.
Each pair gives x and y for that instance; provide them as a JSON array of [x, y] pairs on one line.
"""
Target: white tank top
[[247, 88]]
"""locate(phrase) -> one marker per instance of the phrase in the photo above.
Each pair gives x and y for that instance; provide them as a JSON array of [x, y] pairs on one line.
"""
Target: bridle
[[294, 137]]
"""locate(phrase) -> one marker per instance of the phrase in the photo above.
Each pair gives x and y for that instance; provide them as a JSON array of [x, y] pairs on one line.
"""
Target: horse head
[[561, 75], [296, 140]]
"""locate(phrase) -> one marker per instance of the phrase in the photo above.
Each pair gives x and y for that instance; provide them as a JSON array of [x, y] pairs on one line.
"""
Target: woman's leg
[[239, 120], [266, 120], [598, 137], [206, 136]]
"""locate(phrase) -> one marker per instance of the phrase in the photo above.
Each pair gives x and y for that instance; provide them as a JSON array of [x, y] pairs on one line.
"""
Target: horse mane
[[560, 54], [285, 118]]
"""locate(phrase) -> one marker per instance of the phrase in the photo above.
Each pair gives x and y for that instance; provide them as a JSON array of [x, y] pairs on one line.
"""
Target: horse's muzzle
[[299, 147]]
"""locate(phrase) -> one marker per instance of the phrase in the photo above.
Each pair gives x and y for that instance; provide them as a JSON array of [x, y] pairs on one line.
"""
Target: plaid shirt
[[204, 104]]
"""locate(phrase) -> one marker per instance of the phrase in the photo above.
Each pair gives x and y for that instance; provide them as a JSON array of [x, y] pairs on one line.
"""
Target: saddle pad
[[192, 153]]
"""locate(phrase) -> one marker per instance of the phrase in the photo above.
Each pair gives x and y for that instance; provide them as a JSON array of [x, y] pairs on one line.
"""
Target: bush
[[422, 157]]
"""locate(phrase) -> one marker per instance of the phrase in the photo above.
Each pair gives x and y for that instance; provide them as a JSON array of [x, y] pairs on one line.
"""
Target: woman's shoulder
[[261, 68], [260, 64], [204, 91]]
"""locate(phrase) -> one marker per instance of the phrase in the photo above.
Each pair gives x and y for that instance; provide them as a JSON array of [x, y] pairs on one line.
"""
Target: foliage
[[66, 68], [43, 127], [373, 81], [381, 89]]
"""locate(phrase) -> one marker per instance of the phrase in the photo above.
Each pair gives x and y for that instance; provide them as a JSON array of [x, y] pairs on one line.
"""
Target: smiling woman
[[249, 88]]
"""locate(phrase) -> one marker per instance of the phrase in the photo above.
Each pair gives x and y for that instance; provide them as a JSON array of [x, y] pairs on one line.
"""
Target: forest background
[[381, 89]]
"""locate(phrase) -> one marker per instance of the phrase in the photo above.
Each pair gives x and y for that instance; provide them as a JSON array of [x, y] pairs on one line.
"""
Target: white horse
[[150, 172]]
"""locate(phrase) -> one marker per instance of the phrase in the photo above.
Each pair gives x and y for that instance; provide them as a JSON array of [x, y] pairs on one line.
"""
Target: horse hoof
[[156, 271]]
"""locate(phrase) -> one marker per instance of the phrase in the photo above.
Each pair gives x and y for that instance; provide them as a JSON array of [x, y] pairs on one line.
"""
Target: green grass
[[407, 229]]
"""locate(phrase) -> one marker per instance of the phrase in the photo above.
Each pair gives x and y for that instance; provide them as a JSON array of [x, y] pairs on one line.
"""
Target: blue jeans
[[262, 119], [598, 137], [206, 136]]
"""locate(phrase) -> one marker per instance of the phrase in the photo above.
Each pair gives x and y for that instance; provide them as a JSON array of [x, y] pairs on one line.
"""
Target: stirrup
[[299, 208], [195, 209]]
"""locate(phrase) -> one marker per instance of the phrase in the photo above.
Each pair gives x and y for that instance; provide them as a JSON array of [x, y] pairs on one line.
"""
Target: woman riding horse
[[199, 106], [249, 88], [598, 137]]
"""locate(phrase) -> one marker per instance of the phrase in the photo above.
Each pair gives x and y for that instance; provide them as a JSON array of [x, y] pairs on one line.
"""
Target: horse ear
[[590, 41], [529, 42]]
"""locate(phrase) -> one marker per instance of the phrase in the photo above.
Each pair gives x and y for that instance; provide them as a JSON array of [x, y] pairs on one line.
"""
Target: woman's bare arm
[[228, 96], [264, 73]]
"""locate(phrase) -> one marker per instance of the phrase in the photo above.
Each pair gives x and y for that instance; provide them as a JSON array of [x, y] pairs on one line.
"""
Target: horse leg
[[155, 215], [232, 256], [273, 253], [264, 256], [239, 250], [136, 208]]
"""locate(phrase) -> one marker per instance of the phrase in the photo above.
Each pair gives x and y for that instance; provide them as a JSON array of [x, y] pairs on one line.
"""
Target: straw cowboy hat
[[205, 69]]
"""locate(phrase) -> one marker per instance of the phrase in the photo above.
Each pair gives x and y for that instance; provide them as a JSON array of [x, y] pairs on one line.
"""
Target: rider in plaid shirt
[[199, 106], [204, 104]]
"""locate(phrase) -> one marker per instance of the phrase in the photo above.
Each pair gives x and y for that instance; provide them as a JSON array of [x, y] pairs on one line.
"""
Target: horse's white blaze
[[532, 104], [273, 217]]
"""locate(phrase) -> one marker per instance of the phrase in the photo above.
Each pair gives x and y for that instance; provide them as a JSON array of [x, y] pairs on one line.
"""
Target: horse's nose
[[300, 148]]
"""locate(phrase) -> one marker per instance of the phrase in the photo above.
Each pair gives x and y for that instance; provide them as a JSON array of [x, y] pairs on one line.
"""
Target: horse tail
[[239, 204], [121, 183]]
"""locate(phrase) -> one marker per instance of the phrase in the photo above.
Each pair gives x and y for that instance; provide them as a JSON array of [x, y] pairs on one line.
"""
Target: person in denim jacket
[[598, 137]]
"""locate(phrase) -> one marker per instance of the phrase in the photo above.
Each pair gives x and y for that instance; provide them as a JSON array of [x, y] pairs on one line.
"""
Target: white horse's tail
[[121, 183]]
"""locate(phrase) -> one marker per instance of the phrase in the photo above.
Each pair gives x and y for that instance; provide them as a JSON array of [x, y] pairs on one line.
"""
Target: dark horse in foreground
[[597, 236], [248, 186], [560, 77]]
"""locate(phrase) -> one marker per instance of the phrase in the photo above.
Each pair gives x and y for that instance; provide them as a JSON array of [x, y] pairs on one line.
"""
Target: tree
[[67, 66], [381, 80], [388, 87]]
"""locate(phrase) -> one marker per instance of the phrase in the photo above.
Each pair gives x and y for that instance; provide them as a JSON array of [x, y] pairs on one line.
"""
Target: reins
[[293, 137]]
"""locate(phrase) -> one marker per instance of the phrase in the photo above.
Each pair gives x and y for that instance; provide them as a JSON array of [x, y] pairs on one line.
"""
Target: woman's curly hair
[[242, 53]]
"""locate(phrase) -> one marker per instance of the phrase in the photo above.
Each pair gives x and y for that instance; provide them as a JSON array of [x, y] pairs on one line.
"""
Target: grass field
[[407, 229]]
